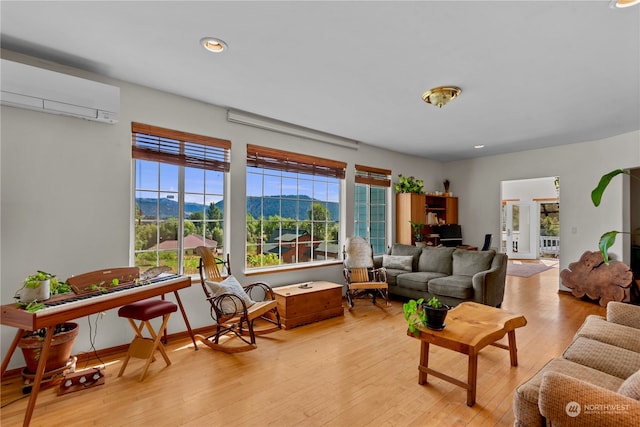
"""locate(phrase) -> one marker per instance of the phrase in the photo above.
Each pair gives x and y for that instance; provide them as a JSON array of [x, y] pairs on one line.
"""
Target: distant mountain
[[292, 207]]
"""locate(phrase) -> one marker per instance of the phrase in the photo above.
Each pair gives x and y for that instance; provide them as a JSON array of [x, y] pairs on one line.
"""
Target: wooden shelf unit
[[445, 207], [415, 207]]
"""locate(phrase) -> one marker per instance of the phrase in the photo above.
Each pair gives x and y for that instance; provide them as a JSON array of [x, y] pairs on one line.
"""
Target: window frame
[[284, 165], [368, 177], [189, 153]]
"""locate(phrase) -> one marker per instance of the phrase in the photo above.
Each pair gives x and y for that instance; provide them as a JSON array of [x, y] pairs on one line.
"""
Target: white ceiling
[[533, 74]]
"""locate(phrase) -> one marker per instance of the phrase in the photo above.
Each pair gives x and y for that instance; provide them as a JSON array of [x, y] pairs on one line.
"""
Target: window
[[179, 192], [370, 205], [293, 208]]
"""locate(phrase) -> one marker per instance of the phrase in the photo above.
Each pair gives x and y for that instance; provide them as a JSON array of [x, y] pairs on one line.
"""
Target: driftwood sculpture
[[590, 276]]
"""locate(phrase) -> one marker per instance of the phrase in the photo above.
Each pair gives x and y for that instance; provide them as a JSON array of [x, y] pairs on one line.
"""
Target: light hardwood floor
[[356, 370]]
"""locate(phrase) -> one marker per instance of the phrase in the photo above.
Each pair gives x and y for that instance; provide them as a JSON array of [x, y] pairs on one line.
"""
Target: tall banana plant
[[609, 238]]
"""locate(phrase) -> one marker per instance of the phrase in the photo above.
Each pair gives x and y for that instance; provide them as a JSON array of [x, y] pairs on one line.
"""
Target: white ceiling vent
[[24, 86]]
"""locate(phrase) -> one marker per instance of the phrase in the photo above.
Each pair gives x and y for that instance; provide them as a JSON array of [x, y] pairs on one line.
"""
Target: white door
[[522, 230]]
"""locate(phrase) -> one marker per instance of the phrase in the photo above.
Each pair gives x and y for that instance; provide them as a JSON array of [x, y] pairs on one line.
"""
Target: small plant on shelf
[[417, 228], [408, 185]]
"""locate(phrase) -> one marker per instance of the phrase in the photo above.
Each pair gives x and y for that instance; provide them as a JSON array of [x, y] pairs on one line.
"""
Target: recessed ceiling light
[[213, 45], [479, 146]]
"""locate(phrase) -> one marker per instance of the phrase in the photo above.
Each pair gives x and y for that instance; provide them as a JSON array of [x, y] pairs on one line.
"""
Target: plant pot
[[436, 316], [59, 353], [40, 293]]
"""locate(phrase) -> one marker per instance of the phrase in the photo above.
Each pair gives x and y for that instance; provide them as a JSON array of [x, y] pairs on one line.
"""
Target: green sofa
[[450, 274]]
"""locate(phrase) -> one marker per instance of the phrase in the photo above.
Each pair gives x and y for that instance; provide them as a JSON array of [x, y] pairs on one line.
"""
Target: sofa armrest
[[377, 261], [623, 314], [488, 285], [568, 401]]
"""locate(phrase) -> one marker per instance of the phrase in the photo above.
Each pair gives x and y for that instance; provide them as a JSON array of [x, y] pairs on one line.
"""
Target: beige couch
[[453, 275], [596, 382]]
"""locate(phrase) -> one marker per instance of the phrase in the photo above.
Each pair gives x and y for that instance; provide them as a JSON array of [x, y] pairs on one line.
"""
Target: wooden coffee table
[[469, 328], [308, 302]]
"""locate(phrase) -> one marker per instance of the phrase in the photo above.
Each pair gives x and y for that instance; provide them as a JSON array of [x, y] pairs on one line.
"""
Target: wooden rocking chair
[[233, 307], [363, 280]]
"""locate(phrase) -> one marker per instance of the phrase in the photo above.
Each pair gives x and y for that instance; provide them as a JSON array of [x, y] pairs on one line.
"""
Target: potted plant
[[609, 238], [446, 184], [414, 313], [408, 185], [417, 228], [31, 342], [36, 287], [436, 313]]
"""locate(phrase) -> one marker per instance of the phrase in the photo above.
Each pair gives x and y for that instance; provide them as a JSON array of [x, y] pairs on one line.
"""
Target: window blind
[[270, 158], [179, 148], [373, 176]]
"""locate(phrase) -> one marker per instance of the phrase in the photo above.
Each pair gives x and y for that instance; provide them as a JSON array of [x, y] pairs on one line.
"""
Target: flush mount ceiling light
[[441, 95], [213, 45], [623, 3]]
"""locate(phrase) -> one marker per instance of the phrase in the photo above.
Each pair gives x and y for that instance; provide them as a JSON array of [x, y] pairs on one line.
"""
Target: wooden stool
[[141, 347]]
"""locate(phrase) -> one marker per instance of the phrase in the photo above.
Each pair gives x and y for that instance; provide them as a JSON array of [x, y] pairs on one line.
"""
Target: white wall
[[66, 195], [579, 167], [525, 190]]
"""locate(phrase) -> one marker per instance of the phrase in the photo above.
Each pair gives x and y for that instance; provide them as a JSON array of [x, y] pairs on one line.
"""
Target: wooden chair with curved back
[[363, 280], [235, 308]]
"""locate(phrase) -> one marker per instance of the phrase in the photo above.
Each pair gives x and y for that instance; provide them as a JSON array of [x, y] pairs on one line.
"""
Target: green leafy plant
[[608, 239], [417, 230], [33, 281], [408, 185], [414, 313], [434, 302]]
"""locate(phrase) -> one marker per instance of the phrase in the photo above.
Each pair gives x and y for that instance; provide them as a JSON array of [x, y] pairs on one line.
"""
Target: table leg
[[35, 389], [12, 348], [424, 363], [186, 321], [513, 349], [472, 376]]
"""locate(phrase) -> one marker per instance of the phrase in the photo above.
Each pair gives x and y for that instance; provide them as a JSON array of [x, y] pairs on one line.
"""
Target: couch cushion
[[631, 386], [401, 249], [623, 314], [460, 287], [436, 259], [525, 400], [599, 329], [398, 262], [468, 263], [416, 281], [392, 275], [607, 358]]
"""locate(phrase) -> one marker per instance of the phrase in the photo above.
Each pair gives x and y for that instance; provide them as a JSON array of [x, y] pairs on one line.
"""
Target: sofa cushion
[[525, 401], [398, 262], [436, 259], [403, 250], [392, 275], [631, 386], [417, 280], [468, 263], [599, 329], [607, 358], [623, 314], [460, 287]]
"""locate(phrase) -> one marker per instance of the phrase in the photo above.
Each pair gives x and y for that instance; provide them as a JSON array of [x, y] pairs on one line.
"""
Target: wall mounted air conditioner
[[34, 88]]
